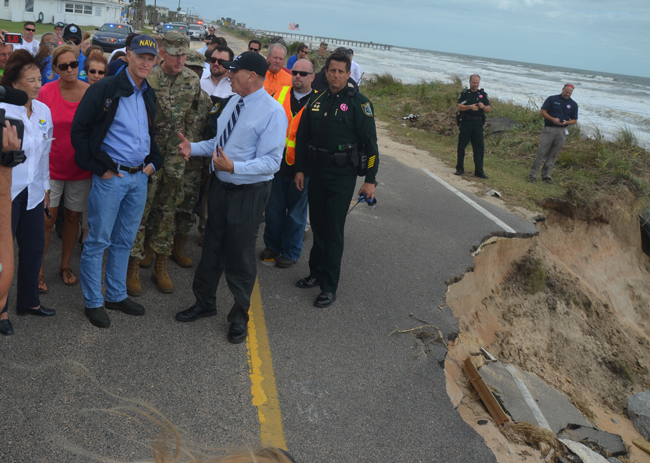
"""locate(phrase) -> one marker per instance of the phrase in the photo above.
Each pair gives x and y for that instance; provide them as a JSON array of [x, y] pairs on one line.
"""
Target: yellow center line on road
[[260, 368]]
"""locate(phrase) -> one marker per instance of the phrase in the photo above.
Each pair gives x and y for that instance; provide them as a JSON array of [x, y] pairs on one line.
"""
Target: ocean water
[[607, 102]]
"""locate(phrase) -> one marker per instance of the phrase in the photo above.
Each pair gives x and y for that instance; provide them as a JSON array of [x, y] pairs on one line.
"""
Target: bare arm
[[465, 107], [10, 142]]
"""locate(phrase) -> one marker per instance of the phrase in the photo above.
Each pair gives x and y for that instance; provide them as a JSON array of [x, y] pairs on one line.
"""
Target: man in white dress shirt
[[252, 129], [215, 81]]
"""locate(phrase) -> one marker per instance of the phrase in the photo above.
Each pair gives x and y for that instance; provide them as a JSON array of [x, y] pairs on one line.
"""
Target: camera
[[14, 39], [14, 157]]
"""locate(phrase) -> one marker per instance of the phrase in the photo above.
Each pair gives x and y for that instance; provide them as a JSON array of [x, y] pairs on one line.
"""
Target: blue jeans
[[115, 208], [286, 217]]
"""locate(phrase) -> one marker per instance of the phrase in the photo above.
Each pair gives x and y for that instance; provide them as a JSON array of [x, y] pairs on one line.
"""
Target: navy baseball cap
[[250, 61], [144, 44]]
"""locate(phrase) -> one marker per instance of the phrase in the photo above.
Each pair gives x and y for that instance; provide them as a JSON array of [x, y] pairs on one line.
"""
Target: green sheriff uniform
[[471, 129], [348, 120]]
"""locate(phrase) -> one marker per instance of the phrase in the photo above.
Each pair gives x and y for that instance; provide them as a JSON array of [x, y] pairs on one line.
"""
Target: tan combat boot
[[159, 275], [133, 287], [178, 251], [148, 252]]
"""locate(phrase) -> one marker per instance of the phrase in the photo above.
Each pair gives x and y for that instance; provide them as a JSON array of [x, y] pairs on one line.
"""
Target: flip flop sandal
[[66, 274], [42, 287]]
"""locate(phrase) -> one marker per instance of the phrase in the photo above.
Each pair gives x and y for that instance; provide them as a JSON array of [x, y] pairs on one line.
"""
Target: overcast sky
[[608, 36]]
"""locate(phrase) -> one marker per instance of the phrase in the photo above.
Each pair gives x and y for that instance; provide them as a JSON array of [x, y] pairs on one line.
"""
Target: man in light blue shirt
[[112, 134], [244, 166]]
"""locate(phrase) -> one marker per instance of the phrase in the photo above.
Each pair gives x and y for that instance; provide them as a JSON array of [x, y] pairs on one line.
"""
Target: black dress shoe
[[194, 313], [41, 312], [481, 176], [237, 332], [98, 317], [459, 172], [309, 282], [5, 328], [324, 299], [127, 306]]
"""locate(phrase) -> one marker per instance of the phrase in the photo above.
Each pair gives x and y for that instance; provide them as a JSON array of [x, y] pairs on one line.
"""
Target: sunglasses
[[570, 85], [95, 71], [256, 50], [64, 67], [29, 30], [218, 60], [302, 73]]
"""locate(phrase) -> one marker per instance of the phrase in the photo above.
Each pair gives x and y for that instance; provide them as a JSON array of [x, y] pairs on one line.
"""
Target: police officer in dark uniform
[[336, 142], [473, 105]]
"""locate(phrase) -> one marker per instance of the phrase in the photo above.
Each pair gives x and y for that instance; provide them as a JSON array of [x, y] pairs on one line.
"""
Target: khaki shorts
[[76, 194]]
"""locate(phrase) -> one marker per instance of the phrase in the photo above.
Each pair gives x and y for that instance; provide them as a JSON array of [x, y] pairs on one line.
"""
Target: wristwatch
[[47, 191]]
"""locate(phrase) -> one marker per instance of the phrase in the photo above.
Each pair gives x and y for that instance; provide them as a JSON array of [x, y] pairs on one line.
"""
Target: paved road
[[348, 390]]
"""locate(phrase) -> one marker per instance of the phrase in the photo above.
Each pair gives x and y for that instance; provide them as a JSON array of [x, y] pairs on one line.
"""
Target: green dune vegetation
[[588, 168]]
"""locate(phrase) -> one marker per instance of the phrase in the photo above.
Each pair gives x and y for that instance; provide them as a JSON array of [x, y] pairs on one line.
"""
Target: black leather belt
[[232, 186], [472, 118], [132, 170]]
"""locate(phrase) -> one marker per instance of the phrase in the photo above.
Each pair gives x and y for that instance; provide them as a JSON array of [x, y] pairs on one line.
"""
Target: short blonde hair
[[61, 50]]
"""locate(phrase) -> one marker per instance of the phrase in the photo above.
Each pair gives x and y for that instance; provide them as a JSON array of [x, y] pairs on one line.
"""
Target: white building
[[83, 13]]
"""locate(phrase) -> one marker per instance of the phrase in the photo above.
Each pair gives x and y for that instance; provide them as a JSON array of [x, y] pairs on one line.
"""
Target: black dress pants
[[234, 217], [28, 227]]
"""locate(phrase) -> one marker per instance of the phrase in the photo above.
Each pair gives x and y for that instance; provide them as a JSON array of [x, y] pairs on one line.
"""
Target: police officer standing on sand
[[473, 105], [336, 142]]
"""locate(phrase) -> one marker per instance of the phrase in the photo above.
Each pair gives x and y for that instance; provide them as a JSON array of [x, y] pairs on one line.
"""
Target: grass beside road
[[587, 169], [17, 28]]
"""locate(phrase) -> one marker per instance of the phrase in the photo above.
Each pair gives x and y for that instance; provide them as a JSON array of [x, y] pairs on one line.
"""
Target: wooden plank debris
[[484, 393]]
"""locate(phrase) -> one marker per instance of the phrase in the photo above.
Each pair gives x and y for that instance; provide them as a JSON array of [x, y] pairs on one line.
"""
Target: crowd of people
[[240, 140], [132, 147]]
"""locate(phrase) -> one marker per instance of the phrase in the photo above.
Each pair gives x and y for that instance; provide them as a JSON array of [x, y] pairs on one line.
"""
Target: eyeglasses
[[570, 86], [302, 73], [64, 67], [218, 60], [29, 30], [256, 50], [94, 71]]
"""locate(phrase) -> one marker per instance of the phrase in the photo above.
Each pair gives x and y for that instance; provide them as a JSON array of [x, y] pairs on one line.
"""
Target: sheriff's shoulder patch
[[215, 108], [367, 109], [107, 104]]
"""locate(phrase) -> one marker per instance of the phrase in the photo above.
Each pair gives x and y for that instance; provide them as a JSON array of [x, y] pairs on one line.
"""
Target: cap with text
[[144, 44], [174, 43], [250, 61]]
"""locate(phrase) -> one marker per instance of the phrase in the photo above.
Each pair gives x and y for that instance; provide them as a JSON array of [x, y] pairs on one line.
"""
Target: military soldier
[[336, 141], [319, 57], [185, 218], [178, 93], [473, 105]]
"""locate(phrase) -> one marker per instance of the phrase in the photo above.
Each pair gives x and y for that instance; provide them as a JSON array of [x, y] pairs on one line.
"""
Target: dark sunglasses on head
[[96, 71], [256, 50], [64, 67], [29, 30], [218, 60], [302, 73]]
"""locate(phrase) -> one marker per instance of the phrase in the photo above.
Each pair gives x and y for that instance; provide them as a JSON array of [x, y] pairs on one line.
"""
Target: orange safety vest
[[284, 98]]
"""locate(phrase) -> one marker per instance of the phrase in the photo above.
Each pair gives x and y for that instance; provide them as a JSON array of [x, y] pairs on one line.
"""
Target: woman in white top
[[30, 184]]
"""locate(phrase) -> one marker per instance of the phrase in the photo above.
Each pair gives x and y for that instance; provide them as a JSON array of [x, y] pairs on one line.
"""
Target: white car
[[196, 32]]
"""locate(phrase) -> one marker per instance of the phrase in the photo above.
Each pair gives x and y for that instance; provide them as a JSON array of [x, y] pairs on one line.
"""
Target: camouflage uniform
[[177, 105], [317, 59], [185, 218]]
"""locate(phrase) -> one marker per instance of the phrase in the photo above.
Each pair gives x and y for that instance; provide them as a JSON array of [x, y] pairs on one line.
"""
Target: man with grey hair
[[276, 78], [5, 51]]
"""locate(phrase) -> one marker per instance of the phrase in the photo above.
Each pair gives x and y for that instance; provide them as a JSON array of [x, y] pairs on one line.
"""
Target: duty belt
[[472, 118], [324, 158]]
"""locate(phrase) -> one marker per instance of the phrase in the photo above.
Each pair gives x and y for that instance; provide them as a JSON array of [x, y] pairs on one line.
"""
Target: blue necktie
[[228, 130]]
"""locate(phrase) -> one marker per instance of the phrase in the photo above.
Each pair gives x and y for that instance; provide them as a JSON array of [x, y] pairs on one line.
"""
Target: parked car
[[180, 27], [112, 36], [196, 32]]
